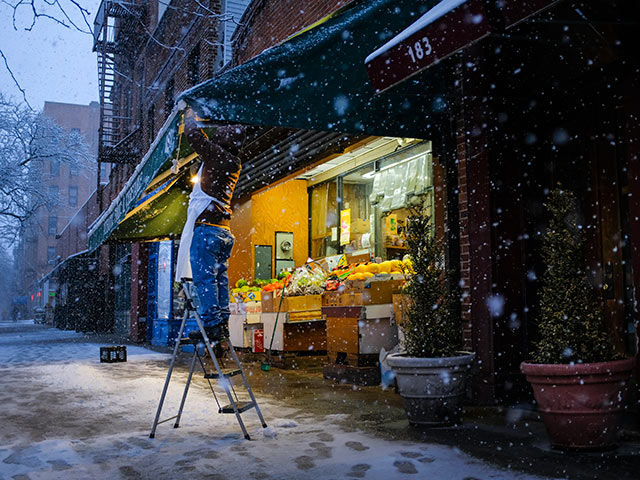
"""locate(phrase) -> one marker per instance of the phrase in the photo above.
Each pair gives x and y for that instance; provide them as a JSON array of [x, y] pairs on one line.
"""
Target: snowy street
[[66, 415]]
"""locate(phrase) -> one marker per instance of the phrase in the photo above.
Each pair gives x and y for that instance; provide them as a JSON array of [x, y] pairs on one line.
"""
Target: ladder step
[[242, 407], [167, 419], [228, 374]]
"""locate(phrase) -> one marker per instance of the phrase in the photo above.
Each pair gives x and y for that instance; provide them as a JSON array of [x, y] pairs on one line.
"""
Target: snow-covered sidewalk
[[66, 415]]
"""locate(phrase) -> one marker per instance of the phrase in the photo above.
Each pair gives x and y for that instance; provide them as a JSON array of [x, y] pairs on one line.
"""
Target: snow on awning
[[442, 31]]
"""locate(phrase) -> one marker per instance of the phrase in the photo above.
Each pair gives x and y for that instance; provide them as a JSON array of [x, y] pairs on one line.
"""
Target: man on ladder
[[205, 247], [206, 238]]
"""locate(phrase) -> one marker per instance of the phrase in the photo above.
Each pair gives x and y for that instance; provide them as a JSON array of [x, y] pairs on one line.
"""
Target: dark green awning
[[316, 80], [160, 214]]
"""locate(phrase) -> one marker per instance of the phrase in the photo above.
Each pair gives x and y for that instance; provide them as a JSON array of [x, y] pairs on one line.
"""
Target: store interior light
[[387, 167]]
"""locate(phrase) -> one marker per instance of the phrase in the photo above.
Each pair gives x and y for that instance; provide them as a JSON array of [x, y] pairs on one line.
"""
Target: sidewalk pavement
[[69, 416]]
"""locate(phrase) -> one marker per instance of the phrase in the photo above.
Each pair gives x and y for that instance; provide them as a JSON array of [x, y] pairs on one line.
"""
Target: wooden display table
[[299, 336], [355, 336]]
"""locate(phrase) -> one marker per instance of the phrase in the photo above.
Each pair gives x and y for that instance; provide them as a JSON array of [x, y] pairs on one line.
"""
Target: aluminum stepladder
[[235, 406]]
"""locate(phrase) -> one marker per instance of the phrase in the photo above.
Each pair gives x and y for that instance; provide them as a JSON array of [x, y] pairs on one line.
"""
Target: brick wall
[[476, 265], [163, 58], [269, 22]]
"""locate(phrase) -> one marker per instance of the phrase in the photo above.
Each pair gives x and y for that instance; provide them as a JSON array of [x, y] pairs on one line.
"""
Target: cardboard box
[[254, 312], [271, 300], [341, 298], [251, 296], [304, 303], [359, 292], [238, 308], [253, 307], [400, 307]]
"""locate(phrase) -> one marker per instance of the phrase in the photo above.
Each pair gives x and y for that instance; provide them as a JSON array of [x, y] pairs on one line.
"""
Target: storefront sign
[[515, 11], [442, 31], [345, 226], [391, 225]]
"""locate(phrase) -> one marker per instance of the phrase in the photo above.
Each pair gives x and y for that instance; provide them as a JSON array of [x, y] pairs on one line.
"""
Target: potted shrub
[[578, 381], [431, 373]]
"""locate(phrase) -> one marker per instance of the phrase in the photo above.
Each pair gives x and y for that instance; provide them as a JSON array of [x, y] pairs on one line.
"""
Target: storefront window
[[357, 232], [363, 212], [402, 182], [164, 280], [325, 235]]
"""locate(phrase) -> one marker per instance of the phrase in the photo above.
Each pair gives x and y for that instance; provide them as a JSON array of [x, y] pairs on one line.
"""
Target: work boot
[[215, 333]]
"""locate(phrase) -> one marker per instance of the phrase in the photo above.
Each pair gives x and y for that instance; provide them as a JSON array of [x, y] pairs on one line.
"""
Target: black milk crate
[[113, 354]]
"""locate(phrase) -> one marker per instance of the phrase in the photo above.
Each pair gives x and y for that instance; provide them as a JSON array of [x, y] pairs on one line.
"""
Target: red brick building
[[40, 250], [504, 129]]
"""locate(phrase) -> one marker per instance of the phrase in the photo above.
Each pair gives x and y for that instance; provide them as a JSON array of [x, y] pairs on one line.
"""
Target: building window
[[51, 254], [73, 170], [53, 225], [168, 96], [54, 168], [54, 193], [193, 65], [73, 196]]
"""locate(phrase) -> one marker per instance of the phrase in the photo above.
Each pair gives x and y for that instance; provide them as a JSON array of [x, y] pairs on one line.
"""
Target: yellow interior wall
[[241, 260], [282, 208]]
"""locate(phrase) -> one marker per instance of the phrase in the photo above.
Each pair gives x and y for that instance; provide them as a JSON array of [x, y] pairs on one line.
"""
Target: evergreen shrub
[[571, 325], [432, 327]]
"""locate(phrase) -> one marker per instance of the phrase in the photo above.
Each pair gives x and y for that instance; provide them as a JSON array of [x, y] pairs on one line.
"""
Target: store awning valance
[[164, 148], [314, 81], [445, 29], [160, 214]]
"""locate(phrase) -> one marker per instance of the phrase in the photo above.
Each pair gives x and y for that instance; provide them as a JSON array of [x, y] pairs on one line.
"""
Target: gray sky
[[51, 62]]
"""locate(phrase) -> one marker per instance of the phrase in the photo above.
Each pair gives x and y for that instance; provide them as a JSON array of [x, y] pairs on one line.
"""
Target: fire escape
[[117, 29]]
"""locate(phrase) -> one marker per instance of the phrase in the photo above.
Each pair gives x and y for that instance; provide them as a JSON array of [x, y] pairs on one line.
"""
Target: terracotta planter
[[581, 404], [432, 388]]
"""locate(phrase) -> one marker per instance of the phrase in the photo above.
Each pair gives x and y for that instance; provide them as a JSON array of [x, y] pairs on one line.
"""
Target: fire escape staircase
[[116, 29]]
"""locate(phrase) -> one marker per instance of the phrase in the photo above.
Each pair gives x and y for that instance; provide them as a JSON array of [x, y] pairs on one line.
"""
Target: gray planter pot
[[432, 388]]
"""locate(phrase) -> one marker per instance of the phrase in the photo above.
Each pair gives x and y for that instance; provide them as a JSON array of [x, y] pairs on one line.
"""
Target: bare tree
[[29, 145], [25, 14]]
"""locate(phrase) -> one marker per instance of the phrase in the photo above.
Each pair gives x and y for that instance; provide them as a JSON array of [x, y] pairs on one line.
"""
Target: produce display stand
[[300, 330], [348, 326]]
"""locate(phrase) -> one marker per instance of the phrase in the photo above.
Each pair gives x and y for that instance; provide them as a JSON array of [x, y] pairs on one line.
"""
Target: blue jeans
[[210, 251]]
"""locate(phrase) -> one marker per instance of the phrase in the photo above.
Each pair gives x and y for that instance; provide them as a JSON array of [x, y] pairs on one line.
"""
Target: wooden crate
[[306, 316], [342, 335]]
